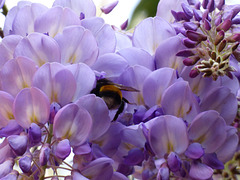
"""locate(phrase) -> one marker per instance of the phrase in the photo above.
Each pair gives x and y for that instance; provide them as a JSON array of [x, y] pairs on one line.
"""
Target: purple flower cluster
[[182, 122]]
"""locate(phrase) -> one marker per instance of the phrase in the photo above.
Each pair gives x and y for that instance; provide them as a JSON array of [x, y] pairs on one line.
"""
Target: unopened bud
[[63, 149], [225, 25], [205, 3], [226, 56], [189, 43], [34, 134], [187, 10], [194, 73], [206, 64], [190, 26], [54, 108], [124, 25], [108, 8], [208, 74], [163, 173], [219, 37], [218, 21], [213, 55], [236, 20], [44, 154], [233, 38], [201, 52], [188, 62], [196, 36], [229, 74], [18, 143], [174, 162], [179, 16], [82, 16], [235, 46], [206, 15], [211, 6], [223, 64], [207, 25], [185, 53], [222, 45], [206, 70], [220, 5], [197, 14], [236, 54], [218, 60], [25, 163]]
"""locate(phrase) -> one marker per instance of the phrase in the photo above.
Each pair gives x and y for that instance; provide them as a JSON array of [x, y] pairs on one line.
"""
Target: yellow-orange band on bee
[[111, 88]]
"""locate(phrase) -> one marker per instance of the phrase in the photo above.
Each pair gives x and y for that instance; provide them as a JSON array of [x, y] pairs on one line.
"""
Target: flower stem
[[49, 139]]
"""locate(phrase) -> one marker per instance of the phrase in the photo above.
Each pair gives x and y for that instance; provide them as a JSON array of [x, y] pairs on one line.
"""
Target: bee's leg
[[126, 101], [119, 111]]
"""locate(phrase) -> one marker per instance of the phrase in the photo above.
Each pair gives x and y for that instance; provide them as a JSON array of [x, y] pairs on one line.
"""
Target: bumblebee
[[112, 95]]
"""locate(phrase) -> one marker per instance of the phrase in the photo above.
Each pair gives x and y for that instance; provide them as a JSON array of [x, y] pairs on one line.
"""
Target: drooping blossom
[[170, 126]]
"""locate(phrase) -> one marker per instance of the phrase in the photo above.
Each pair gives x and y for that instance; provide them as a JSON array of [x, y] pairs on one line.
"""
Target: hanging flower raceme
[[90, 101], [209, 37]]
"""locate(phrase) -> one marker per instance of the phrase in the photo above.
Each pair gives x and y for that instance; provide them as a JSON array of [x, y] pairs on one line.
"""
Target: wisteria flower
[[84, 99]]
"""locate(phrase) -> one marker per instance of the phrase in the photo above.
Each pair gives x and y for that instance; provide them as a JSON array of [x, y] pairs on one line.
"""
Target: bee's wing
[[126, 88]]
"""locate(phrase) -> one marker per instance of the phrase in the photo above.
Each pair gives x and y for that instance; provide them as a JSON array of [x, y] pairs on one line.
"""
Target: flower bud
[[219, 37], [221, 4], [218, 20], [233, 38], [54, 108], [204, 4], [195, 36], [226, 56], [213, 55], [236, 20], [206, 16], [124, 25], [185, 53], [179, 16], [34, 134], [211, 6], [44, 154], [222, 45], [229, 74], [207, 25], [108, 8], [194, 73], [225, 25], [187, 10], [18, 143], [197, 15], [235, 46], [63, 149], [82, 16], [189, 43], [163, 173], [25, 163], [189, 61], [219, 59], [174, 162], [194, 151], [190, 26], [237, 55]]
